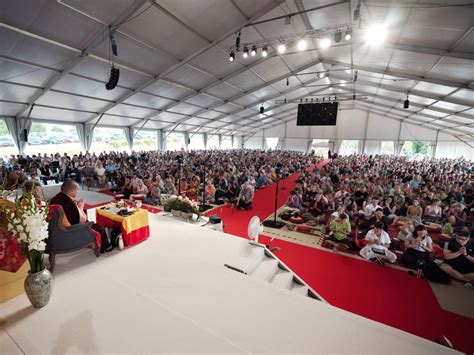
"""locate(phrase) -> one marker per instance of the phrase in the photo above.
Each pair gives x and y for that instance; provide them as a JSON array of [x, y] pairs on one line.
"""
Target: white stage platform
[[172, 294]]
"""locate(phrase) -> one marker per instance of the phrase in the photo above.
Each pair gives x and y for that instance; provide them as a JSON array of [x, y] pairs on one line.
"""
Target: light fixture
[[406, 103], [262, 109], [325, 43], [376, 34], [264, 51], [348, 35], [246, 52], [253, 51], [281, 48], [356, 74], [302, 44], [337, 37], [231, 56]]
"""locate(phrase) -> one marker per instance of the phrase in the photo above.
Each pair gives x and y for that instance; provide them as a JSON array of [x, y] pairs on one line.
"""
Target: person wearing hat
[[459, 258]]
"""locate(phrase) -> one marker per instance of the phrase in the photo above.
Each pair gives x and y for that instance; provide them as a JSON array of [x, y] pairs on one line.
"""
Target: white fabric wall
[[372, 147], [300, 145], [454, 150], [254, 143], [237, 142]]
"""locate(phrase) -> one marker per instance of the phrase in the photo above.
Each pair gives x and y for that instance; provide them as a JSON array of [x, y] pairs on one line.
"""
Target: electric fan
[[254, 228]]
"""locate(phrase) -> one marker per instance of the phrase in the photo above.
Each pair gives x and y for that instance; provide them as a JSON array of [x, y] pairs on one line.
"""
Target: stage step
[[266, 269], [299, 289], [282, 279]]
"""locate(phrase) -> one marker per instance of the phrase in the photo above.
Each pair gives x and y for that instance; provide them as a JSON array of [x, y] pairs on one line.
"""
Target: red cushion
[[52, 211]]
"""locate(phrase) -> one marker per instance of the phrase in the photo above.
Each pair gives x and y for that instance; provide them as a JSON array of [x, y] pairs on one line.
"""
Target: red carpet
[[385, 295]]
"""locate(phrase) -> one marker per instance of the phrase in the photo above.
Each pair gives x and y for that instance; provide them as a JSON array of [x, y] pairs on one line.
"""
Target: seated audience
[[418, 248], [377, 245], [340, 229], [459, 258]]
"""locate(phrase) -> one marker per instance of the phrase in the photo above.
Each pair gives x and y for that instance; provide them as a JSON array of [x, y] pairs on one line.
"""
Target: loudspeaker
[[406, 103], [25, 135], [262, 109], [113, 79]]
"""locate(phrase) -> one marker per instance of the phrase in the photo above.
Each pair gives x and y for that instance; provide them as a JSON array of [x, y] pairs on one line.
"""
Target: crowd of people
[[360, 197], [367, 194], [213, 176]]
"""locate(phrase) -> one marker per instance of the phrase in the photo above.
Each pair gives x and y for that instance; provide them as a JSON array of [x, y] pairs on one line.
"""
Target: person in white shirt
[[378, 240], [370, 207]]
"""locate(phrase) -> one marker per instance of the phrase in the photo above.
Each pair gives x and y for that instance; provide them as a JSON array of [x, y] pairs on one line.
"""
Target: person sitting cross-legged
[[377, 245], [459, 258], [340, 229]]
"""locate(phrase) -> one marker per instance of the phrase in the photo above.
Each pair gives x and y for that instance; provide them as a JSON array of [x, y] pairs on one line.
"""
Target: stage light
[[246, 52], [325, 43], [253, 51], [264, 51], [376, 34], [302, 44], [231, 56], [337, 37], [348, 35], [406, 103], [281, 48], [262, 109]]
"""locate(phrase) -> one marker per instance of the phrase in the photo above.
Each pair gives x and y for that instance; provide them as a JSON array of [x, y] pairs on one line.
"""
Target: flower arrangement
[[28, 223], [180, 203]]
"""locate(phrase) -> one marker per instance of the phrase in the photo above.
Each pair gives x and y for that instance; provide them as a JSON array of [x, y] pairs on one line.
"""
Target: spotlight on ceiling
[[325, 43], [376, 34], [246, 52], [337, 37], [264, 51], [348, 35], [302, 44], [281, 48], [406, 103], [231, 56], [262, 109], [253, 51]]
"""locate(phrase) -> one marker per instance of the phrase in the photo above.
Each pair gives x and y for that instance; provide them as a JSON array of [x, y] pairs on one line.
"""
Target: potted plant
[[181, 207], [28, 223]]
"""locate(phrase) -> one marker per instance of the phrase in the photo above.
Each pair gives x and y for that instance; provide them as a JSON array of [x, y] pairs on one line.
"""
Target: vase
[[38, 287]]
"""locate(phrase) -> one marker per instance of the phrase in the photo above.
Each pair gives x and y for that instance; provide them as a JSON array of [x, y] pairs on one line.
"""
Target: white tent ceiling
[[175, 72]]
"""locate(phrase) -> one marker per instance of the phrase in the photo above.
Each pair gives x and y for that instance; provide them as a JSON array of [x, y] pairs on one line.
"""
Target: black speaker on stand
[[274, 223]]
